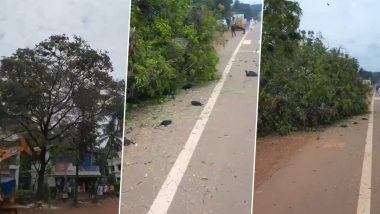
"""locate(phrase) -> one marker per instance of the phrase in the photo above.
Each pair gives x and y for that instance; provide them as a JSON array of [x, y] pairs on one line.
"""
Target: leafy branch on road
[[173, 43], [303, 83]]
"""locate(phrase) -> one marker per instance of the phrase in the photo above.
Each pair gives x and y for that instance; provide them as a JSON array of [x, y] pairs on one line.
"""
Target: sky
[[251, 1], [103, 24], [350, 24]]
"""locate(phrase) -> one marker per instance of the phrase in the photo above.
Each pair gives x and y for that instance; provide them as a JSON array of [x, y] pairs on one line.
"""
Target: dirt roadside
[[106, 206], [314, 172]]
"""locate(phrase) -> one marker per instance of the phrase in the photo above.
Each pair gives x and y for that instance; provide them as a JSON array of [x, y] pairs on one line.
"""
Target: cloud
[[351, 24], [104, 24]]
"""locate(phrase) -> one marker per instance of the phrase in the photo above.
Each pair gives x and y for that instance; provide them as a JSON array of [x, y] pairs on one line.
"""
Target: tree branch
[[29, 132], [64, 130]]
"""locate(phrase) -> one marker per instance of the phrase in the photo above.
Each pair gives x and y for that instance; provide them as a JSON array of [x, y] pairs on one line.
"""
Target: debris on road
[[364, 118], [165, 123], [355, 122], [343, 126], [196, 103], [128, 142], [250, 73], [204, 178], [133, 163], [187, 86]]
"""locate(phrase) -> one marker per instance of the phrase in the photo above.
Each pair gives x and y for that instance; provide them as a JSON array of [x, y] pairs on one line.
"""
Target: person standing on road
[[228, 21], [233, 27], [91, 190], [100, 190], [233, 30]]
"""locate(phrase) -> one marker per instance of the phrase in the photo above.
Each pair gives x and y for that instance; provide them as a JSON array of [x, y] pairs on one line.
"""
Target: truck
[[239, 20]]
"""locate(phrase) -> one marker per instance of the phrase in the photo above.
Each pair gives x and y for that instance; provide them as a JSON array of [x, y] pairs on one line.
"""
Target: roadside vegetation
[[172, 43], [303, 84]]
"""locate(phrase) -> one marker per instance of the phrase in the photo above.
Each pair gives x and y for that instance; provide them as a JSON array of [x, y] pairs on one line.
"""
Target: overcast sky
[[102, 23], [251, 1], [351, 24]]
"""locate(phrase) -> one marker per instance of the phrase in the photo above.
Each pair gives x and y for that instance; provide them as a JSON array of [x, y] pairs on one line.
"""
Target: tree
[[112, 131], [223, 7], [39, 87], [173, 43], [96, 105], [303, 84], [249, 11], [84, 141]]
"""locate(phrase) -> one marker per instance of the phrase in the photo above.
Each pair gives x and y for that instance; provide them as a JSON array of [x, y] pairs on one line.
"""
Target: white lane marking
[[125, 107], [247, 42], [257, 112], [166, 194], [364, 202]]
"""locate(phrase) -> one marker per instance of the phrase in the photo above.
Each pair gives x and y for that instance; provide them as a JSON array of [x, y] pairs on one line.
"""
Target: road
[[203, 162], [328, 172], [375, 188]]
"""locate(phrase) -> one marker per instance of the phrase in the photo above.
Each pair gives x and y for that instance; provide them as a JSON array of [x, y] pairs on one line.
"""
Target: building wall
[[114, 166], [63, 170]]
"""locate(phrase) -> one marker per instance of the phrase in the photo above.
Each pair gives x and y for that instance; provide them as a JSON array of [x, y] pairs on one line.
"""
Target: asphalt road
[[203, 162]]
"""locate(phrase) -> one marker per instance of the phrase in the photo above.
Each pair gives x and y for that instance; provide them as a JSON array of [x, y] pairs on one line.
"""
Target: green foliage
[[249, 11], [224, 7], [303, 84], [172, 44]]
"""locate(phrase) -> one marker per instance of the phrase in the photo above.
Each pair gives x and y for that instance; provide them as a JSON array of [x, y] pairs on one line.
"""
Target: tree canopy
[[173, 43], [303, 84]]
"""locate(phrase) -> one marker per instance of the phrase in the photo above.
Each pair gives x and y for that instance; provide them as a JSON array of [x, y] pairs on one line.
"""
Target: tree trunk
[[41, 175], [76, 183]]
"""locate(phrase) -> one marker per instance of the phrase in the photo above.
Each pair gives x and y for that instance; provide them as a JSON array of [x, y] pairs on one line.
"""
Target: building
[[62, 173], [114, 166]]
